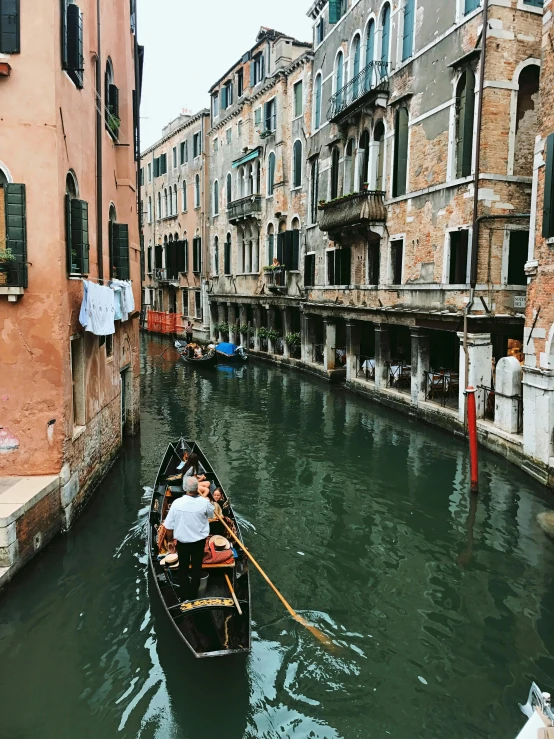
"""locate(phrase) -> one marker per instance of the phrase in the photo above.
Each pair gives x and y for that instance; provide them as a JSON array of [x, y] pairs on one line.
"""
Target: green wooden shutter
[[547, 213], [163, 164], [287, 250], [295, 251], [408, 35], [334, 11], [74, 32], [400, 153], [71, 264], [63, 31], [79, 234], [16, 228], [120, 251], [385, 33], [9, 27], [280, 247], [331, 267], [270, 248], [344, 266]]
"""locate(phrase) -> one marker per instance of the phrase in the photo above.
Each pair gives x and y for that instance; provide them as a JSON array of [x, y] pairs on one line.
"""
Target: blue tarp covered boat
[[227, 352]]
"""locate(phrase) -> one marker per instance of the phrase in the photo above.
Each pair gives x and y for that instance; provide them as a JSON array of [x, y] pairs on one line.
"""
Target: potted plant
[[114, 122], [293, 339], [273, 334], [263, 332], [243, 329], [7, 258]]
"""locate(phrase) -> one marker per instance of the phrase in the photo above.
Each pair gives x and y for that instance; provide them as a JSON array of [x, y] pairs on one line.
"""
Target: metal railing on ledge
[[275, 277], [244, 208], [372, 78], [399, 375], [442, 386], [164, 275], [13, 274], [489, 399], [365, 367], [318, 354]]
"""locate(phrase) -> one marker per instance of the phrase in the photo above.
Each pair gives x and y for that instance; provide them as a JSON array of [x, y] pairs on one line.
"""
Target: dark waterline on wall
[[441, 611]]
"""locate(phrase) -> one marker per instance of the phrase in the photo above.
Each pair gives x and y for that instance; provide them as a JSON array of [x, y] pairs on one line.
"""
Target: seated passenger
[[191, 469], [198, 352]]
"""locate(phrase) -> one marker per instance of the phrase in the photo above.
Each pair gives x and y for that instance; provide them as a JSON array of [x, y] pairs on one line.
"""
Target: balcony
[[165, 275], [371, 82], [245, 208], [276, 279], [352, 212], [13, 279]]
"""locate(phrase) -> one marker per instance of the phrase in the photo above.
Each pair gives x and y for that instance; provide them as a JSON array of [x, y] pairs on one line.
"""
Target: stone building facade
[[257, 144], [174, 207], [66, 397]]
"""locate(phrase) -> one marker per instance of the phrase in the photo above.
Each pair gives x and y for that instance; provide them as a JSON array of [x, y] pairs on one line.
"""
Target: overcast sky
[[190, 44]]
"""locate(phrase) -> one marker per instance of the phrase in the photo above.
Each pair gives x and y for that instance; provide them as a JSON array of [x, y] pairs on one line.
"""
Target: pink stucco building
[[70, 88]]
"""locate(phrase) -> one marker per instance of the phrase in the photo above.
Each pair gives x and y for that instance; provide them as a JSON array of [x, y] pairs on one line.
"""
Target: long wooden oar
[[233, 596], [315, 631]]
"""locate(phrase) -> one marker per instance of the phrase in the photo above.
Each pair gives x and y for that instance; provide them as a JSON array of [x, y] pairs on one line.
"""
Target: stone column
[[213, 320], [382, 354], [232, 320], [285, 312], [480, 370], [330, 344], [243, 321], [507, 394], [257, 323], [308, 336], [420, 364], [538, 413], [271, 326], [352, 348]]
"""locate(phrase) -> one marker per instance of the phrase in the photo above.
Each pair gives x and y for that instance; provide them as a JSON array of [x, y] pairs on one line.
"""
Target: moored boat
[[208, 359], [227, 352], [540, 717], [217, 622]]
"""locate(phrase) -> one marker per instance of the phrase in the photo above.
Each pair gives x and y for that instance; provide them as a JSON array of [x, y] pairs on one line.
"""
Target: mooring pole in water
[[472, 431]]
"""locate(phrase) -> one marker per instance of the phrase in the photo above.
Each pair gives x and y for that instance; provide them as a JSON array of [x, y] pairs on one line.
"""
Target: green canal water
[[441, 613]]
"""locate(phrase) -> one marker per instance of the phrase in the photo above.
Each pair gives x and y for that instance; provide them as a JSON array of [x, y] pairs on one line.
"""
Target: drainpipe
[[99, 231], [476, 219]]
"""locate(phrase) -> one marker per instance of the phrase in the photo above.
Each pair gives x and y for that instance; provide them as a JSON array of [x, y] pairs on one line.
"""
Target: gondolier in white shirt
[[188, 522]]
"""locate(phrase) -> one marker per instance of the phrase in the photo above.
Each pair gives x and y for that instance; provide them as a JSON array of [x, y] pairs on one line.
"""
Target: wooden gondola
[[207, 360], [211, 625]]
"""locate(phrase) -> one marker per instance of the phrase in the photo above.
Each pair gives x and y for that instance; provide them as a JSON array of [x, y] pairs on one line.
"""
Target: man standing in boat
[[188, 522]]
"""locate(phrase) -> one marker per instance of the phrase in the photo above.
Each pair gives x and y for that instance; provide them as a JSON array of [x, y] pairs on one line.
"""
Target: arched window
[[355, 69], [348, 186], [314, 189], [71, 187], [385, 37], [184, 195], [197, 191], [339, 79], [379, 139], [216, 199], [158, 256], [270, 173], [369, 55], [526, 123], [335, 156], [216, 255], [76, 214], [297, 164], [364, 160], [317, 102], [227, 266], [408, 30], [270, 243], [400, 165], [111, 101], [229, 183], [465, 109], [165, 203], [240, 182]]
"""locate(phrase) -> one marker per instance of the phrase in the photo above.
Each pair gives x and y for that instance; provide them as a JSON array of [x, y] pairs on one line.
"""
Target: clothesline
[[103, 279]]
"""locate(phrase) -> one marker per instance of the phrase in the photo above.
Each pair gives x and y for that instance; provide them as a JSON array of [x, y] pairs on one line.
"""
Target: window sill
[[77, 276], [529, 8], [312, 225], [295, 189], [77, 432], [297, 117]]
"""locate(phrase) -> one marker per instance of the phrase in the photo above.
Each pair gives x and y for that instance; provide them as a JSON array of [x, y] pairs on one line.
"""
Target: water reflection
[[440, 604]]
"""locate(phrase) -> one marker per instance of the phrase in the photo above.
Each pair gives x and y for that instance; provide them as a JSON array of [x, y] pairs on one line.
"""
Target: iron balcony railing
[[244, 208], [372, 78], [399, 375], [442, 387], [164, 275], [13, 274]]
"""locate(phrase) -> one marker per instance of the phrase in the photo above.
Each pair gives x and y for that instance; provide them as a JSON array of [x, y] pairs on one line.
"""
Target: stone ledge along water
[[441, 606]]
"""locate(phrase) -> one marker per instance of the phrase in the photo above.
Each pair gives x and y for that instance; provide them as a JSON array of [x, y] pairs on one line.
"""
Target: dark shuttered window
[[227, 256], [9, 27], [297, 164], [400, 171], [465, 109], [309, 270], [112, 116], [77, 236], [548, 207], [16, 234], [197, 254], [337, 8], [73, 60], [408, 34], [338, 266], [119, 251]]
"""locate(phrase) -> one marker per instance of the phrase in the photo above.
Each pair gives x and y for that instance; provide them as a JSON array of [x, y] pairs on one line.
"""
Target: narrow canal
[[442, 614]]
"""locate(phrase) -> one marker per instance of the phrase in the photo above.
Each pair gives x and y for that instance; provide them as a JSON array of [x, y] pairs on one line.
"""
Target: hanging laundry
[[97, 309], [118, 300], [128, 297]]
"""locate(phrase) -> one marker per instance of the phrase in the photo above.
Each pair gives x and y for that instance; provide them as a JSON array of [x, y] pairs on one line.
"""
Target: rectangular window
[[197, 304], [78, 380], [548, 204], [142, 177], [223, 99], [13, 232], [229, 134], [517, 256], [197, 254], [9, 27], [338, 266], [270, 115], [174, 156], [149, 260], [258, 117], [215, 105], [182, 152], [314, 190], [163, 164], [309, 270], [373, 260], [534, 4], [396, 258], [408, 34], [112, 111], [298, 106], [459, 241], [320, 31], [196, 145], [239, 129], [337, 8], [229, 93], [216, 146], [257, 70], [227, 258], [119, 251], [77, 239], [149, 171], [471, 5], [240, 83], [73, 60]]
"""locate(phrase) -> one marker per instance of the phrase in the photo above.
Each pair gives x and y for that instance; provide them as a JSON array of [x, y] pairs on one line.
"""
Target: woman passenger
[[191, 469]]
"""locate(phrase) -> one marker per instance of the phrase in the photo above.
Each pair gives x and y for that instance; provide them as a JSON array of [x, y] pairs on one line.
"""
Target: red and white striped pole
[[472, 432]]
